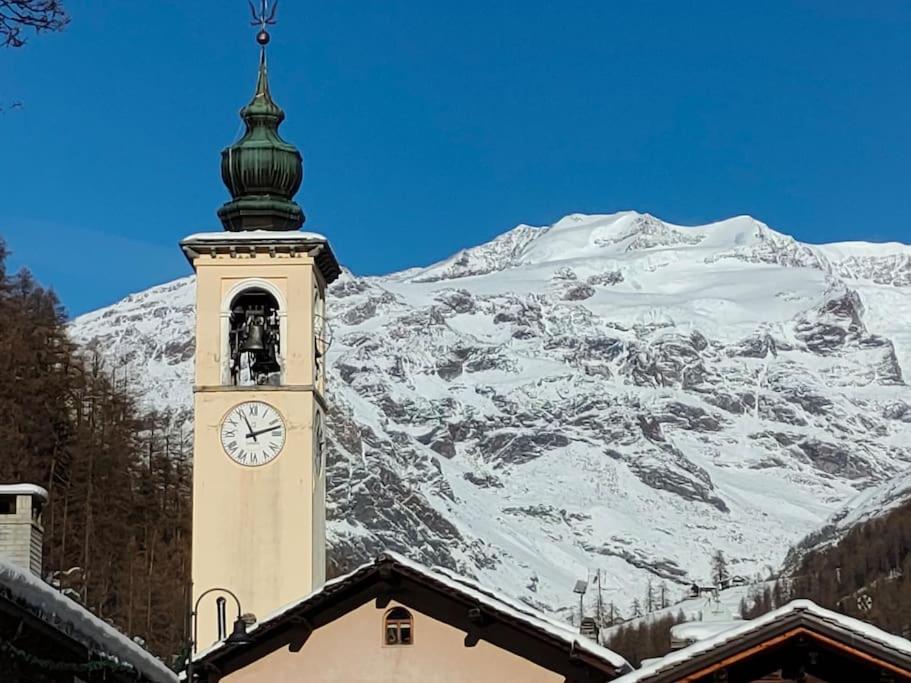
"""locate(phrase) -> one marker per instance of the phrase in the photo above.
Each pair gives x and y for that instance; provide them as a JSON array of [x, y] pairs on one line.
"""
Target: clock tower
[[259, 483]]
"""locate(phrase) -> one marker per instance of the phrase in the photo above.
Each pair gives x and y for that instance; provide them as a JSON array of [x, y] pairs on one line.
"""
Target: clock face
[[253, 433]]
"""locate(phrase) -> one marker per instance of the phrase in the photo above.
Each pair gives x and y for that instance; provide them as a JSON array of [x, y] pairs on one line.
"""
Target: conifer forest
[[117, 522]]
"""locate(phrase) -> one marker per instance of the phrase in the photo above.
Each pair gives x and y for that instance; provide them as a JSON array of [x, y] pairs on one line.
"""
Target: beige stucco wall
[[257, 531], [351, 650]]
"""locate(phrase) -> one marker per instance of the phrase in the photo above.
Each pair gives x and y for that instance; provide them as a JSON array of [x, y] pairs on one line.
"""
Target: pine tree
[[719, 568], [649, 596]]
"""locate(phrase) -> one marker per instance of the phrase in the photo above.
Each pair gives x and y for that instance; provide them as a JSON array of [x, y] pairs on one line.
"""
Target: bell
[[264, 363], [255, 340]]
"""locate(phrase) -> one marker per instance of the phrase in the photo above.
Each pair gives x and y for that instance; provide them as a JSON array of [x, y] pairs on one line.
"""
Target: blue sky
[[431, 126]]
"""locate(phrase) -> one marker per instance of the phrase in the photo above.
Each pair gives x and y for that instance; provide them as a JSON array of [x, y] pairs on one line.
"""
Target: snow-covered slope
[[609, 392]]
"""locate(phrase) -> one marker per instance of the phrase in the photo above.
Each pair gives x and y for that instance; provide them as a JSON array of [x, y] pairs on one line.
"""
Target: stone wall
[[20, 532]]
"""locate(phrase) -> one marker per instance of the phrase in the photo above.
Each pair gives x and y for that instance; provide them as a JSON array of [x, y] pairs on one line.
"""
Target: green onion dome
[[262, 171]]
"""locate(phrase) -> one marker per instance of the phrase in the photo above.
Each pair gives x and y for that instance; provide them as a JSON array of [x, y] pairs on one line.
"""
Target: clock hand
[[250, 428], [260, 431]]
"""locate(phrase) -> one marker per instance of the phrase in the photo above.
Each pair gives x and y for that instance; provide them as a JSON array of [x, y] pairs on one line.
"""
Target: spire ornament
[[261, 171], [263, 18]]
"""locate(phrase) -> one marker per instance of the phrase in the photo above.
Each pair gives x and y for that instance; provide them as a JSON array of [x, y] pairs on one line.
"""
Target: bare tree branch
[[37, 15]]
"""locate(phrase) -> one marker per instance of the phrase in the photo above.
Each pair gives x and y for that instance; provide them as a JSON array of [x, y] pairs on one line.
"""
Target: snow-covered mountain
[[610, 392]]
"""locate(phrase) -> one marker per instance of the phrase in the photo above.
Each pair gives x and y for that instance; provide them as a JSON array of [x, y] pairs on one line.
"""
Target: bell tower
[[258, 472]]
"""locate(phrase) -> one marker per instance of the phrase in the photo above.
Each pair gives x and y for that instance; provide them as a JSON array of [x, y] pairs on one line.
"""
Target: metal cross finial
[[265, 17]]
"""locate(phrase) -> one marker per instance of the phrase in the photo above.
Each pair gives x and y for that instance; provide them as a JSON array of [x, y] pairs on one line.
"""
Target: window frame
[[397, 617]]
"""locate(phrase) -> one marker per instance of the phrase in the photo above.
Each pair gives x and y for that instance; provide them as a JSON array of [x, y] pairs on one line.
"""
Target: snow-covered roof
[[694, 631], [23, 490], [255, 236], [650, 660], [446, 581], [857, 631], [518, 610], [54, 608]]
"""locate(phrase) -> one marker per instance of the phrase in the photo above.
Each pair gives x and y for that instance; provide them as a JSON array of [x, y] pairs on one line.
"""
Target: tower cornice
[[264, 242]]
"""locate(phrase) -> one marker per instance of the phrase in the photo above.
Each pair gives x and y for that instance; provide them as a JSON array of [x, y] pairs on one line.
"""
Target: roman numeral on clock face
[[253, 433]]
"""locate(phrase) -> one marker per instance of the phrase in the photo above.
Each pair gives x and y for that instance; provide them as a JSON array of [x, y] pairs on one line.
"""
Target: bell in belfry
[[255, 339], [260, 341]]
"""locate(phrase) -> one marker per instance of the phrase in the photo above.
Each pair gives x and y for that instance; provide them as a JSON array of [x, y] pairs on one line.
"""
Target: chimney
[[21, 533]]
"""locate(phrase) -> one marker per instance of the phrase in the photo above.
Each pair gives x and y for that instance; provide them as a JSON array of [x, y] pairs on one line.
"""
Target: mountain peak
[[625, 235], [610, 392]]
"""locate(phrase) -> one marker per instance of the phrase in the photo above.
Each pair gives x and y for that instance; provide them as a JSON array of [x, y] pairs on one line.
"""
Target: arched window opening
[[221, 618], [399, 627], [255, 339]]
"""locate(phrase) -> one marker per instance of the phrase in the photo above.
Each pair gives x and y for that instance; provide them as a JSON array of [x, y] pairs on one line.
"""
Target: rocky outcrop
[[610, 392]]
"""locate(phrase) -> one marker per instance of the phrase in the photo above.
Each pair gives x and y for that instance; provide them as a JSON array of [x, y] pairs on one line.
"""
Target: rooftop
[[101, 639]]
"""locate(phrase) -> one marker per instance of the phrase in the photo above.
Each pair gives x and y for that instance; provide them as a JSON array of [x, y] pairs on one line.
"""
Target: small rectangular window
[[7, 505]]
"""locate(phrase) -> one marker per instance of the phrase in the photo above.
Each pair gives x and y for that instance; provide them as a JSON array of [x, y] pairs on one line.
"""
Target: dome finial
[[263, 18], [261, 171]]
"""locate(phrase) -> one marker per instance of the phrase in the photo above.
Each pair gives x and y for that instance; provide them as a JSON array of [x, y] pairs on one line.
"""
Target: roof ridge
[[534, 619], [800, 608]]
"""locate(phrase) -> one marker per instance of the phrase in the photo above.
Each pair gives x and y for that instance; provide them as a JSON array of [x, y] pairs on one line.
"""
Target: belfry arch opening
[[254, 338]]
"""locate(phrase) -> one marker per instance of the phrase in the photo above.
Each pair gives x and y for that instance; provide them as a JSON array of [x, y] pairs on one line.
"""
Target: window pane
[[392, 637]]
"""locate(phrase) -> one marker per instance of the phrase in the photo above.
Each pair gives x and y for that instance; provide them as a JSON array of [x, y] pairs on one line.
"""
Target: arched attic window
[[254, 338], [398, 627]]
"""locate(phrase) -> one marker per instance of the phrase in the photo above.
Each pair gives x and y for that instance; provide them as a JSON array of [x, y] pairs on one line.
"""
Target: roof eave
[[800, 619], [382, 580]]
